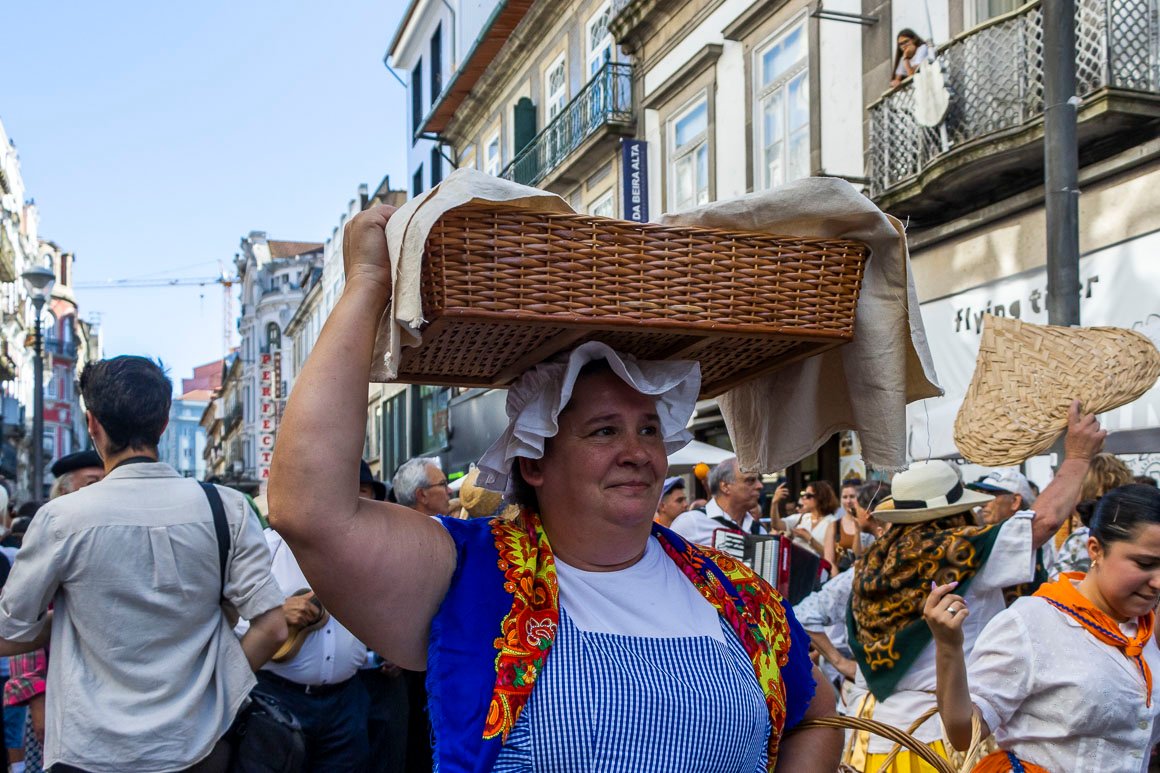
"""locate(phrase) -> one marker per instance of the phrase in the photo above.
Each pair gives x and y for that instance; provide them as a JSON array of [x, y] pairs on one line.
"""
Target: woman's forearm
[[953, 694]]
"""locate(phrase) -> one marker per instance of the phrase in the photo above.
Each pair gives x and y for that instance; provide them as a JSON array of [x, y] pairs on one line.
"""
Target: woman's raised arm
[[381, 569]]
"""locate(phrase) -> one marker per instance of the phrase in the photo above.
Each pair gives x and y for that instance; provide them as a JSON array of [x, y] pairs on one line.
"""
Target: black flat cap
[[76, 461]]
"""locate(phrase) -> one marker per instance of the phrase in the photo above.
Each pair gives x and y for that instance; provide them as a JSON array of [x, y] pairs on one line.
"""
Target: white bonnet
[[536, 398]]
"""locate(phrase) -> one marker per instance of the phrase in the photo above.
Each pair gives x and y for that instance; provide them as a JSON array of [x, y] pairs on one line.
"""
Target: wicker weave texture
[[504, 288], [1027, 375]]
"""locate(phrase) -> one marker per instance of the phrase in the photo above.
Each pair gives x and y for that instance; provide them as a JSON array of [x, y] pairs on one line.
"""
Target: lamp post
[[38, 282]]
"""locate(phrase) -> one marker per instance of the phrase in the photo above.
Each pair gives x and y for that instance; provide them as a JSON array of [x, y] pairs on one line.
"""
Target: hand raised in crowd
[[301, 610], [780, 494], [364, 246], [945, 612], [1084, 437]]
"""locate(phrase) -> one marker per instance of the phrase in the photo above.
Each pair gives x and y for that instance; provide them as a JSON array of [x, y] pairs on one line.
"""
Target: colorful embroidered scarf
[[1006, 762], [891, 583], [1064, 596], [751, 608]]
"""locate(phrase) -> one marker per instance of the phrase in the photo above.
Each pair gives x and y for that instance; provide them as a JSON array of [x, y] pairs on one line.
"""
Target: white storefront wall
[[1120, 287]]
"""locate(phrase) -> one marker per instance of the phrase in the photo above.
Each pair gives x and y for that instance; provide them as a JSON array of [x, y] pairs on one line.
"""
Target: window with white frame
[[603, 205], [555, 88], [783, 108], [599, 39], [467, 157], [491, 155], [689, 154]]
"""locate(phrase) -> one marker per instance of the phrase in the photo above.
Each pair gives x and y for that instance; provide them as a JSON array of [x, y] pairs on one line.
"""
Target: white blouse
[[1059, 697]]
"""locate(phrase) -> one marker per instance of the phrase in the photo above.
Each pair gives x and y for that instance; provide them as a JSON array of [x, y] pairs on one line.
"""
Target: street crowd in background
[[150, 622]]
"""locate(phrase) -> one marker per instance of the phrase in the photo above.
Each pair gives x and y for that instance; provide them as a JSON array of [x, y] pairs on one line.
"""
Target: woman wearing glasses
[[808, 528]]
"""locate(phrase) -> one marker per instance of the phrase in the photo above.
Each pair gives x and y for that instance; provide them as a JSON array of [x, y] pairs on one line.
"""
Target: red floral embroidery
[[529, 629], [527, 633]]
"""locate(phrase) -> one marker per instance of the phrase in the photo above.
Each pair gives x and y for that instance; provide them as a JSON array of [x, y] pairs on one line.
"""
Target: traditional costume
[[932, 540], [523, 675], [1064, 687]]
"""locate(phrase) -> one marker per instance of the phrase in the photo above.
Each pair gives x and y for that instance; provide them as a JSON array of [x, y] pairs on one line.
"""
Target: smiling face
[[606, 465], [1127, 574]]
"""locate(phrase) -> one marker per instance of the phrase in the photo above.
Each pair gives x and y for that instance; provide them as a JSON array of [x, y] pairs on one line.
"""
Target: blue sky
[[153, 136]]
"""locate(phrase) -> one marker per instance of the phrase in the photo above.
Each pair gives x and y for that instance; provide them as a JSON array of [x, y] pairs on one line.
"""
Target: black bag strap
[[220, 526], [729, 523]]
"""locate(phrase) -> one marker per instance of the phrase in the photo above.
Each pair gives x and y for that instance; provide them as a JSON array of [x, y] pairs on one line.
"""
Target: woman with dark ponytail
[[1064, 678]]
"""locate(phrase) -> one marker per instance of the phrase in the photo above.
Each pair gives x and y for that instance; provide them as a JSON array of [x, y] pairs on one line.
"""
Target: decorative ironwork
[[605, 99], [995, 77]]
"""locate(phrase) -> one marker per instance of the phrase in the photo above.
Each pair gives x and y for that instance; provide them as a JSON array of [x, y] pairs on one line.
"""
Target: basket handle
[[889, 732]]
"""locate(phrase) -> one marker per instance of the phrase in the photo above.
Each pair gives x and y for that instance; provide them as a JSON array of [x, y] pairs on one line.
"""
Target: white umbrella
[[693, 454]]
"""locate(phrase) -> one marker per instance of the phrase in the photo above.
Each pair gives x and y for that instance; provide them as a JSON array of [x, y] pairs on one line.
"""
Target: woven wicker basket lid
[[1027, 375]]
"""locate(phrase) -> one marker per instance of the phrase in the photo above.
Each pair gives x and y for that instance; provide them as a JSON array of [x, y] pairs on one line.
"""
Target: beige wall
[[1110, 211]]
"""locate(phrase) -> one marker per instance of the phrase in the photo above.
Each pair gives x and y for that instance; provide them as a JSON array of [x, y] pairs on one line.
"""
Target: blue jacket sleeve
[[797, 673]]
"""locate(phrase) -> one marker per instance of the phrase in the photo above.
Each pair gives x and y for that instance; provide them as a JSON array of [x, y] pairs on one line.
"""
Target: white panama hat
[[926, 491]]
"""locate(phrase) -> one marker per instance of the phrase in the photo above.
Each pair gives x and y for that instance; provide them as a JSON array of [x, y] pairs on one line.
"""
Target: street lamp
[[38, 282]]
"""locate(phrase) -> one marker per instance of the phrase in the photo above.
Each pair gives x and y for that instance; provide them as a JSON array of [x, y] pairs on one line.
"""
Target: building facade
[[272, 276], [971, 188], [183, 444]]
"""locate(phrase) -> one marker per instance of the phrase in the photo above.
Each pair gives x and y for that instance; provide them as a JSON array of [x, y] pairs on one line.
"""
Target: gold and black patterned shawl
[[891, 583]]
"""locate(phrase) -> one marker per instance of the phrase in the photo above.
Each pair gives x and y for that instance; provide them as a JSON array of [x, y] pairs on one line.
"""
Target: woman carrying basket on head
[[1063, 679], [933, 539], [579, 636]]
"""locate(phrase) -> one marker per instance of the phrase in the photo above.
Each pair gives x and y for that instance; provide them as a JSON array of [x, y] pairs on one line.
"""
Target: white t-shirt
[[1011, 562], [698, 527], [652, 598]]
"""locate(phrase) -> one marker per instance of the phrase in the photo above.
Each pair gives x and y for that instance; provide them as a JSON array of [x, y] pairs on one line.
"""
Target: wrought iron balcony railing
[[606, 99], [994, 74]]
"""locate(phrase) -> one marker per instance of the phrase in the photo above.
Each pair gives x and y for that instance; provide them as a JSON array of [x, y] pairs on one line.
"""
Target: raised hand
[[945, 612]]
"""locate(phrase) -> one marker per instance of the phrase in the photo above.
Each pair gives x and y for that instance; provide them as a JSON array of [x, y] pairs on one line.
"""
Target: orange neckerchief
[[1065, 597]]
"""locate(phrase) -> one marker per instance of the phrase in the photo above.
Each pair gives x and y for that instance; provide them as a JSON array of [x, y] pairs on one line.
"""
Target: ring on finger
[[952, 610]]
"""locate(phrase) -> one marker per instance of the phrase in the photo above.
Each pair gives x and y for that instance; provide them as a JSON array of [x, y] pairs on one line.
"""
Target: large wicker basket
[[505, 288]]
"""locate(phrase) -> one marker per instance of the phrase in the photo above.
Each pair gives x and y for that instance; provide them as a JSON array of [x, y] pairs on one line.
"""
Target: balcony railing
[[995, 78], [606, 99]]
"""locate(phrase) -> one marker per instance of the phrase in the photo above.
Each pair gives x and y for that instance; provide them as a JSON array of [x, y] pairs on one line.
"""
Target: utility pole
[[1061, 162]]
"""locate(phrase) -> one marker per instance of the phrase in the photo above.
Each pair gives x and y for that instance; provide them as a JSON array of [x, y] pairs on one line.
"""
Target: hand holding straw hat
[[1027, 376]]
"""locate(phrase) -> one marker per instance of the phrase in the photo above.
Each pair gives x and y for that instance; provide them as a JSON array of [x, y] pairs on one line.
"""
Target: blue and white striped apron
[[607, 703]]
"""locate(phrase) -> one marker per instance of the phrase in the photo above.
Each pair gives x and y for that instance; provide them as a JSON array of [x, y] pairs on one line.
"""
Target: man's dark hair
[[130, 397]]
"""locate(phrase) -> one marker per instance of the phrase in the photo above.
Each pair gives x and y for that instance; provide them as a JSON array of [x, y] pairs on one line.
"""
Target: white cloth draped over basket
[[777, 419]]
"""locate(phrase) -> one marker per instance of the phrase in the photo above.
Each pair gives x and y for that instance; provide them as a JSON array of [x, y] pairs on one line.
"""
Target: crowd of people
[[565, 616]]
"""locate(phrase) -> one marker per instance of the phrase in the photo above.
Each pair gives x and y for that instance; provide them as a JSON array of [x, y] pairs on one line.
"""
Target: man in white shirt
[[317, 684], [734, 497], [144, 673]]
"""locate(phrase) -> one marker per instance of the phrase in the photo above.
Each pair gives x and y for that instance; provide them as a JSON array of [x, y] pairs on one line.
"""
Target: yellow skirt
[[905, 762]]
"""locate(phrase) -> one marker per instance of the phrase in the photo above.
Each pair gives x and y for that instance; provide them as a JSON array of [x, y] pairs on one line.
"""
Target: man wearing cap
[[75, 471], [673, 501], [734, 498], [1013, 494]]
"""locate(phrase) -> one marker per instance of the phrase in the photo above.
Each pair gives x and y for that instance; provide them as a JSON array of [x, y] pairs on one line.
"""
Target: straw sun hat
[[1027, 375], [928, 490]]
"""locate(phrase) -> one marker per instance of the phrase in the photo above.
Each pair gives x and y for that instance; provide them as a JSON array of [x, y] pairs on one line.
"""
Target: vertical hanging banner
[[634, 179], [268, 366]]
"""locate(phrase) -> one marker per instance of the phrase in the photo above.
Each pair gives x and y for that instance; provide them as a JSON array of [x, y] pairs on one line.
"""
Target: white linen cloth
[[535, 399], [1059, 697], [777, 419], [1011, 562]]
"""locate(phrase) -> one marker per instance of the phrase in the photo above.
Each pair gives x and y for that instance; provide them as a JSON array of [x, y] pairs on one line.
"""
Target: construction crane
[[227, 283]]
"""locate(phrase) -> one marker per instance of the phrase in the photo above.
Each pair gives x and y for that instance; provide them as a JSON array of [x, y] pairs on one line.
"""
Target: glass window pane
[[773, 118], [799, 154], [691, 124], [799, 101], [703, 174], [774, 174], [783, 55], [684, 187]]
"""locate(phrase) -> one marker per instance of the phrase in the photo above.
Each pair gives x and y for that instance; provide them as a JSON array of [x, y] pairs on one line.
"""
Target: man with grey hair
[[420, 484], [733, 500], [75, 471]]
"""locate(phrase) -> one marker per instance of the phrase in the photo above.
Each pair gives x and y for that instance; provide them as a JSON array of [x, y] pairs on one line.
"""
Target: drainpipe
[[1061, 162]]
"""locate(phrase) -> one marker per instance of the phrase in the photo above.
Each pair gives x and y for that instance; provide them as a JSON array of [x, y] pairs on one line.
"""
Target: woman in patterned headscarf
[[934, 540]]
